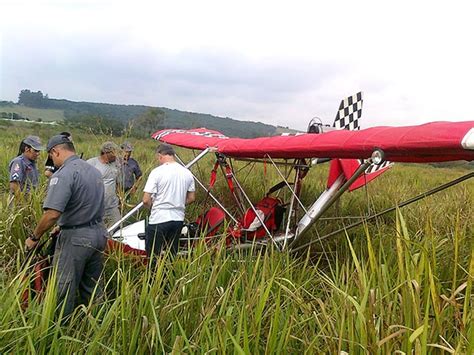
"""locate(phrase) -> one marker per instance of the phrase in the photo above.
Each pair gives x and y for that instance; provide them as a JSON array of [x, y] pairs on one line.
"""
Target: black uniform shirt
[[130, 172]]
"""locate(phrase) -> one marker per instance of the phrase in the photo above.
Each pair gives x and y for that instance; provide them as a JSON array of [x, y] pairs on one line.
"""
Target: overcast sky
[[278, 62]]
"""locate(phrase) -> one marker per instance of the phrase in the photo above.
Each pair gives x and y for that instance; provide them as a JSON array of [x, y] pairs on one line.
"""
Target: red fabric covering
[[211, 221], [431, 142], [348, 167], [39, 278]]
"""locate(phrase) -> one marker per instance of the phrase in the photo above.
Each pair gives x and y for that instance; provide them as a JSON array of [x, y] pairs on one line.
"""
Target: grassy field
[[34, 114], [402, 283]]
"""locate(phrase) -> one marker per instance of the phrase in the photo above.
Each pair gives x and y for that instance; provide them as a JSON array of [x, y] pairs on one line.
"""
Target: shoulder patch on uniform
[[16, 167], [53, 181]]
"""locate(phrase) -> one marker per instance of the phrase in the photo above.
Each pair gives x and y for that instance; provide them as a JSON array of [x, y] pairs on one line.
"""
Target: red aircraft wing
[[430, 142]]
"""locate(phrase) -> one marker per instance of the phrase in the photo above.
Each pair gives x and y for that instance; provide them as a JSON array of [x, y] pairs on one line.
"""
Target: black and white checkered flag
[[374, 168], [350, 110], [349, 113]]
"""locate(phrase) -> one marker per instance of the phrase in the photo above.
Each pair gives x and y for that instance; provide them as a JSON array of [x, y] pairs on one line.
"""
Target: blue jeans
[[161, 235]]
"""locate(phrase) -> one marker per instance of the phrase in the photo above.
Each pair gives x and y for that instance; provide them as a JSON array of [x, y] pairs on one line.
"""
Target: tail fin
[[349, 166], [350, 110], [347, 117]]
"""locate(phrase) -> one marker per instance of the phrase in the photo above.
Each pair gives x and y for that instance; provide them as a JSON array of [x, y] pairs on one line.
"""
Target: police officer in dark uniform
[[23, 171], [75, 201], [130, 173]]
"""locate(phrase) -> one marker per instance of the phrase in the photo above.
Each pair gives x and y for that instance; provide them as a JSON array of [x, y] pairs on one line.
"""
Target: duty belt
[[88, 224]]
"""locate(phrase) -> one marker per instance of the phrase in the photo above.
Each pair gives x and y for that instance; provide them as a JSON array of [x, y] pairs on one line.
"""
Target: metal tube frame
[[360, 170], [388, 210], [287, 184], [291, 211], [214, 198], [140, 205], [255, 211]]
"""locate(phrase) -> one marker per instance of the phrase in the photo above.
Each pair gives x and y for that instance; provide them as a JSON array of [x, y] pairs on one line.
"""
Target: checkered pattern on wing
[[349, 113], [194, 133], [374, 168]]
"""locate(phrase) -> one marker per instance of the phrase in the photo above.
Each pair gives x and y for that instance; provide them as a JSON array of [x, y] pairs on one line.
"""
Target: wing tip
[[468, 140]]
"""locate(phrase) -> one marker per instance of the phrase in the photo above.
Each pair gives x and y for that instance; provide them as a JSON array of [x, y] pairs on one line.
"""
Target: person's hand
[[133, 190], [55, 231], [30, 243]]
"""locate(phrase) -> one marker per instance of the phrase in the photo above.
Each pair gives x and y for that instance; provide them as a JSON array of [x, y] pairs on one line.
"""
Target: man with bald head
[[75, 202]]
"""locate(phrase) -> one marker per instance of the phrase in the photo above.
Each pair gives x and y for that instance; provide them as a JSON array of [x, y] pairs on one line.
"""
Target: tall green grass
[[401, 284]]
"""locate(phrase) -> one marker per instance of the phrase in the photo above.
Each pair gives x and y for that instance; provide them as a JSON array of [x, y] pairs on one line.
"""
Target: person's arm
[[191, 194], [137, 171], [138, 175], [147, 200], [133, 189], [47, 220], [15, 192], [190, 197], [16, 176], [15, 188], [150, 189]]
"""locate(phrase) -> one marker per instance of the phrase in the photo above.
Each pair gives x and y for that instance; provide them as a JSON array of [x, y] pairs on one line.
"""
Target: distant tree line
[[33, 99], [97, 124], [141, 120], [141, 127], [16, 116], [12, 116]]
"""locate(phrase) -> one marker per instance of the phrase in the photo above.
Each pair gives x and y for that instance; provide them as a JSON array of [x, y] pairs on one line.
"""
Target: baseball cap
[[56, 140], [165, 149], [109, 147], [126, 146], [34, 142]]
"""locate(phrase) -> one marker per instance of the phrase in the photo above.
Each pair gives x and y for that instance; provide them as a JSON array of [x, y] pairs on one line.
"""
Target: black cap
[[55, 140], [34, 142], [165, 149]]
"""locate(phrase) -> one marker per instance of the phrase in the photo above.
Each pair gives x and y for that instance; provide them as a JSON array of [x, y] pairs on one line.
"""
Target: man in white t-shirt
[[169, 188]]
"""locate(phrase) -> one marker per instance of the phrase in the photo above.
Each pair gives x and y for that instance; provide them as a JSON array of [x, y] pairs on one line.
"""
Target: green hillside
[[31, 113], [173, 118], [46, 108]]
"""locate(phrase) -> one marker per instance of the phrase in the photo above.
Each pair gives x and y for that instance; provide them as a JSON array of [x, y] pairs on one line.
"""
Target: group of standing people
[[123, 173], [82, 195]]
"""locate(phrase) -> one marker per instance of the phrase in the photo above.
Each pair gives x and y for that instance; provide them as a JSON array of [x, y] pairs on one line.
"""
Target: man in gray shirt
[[75, 201], [109, 168]]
